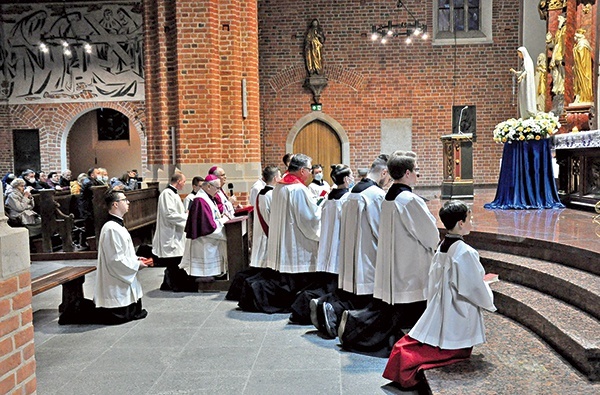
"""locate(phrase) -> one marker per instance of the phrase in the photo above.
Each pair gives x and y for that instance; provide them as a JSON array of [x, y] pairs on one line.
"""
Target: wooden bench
[[70, 277], [55, 209]]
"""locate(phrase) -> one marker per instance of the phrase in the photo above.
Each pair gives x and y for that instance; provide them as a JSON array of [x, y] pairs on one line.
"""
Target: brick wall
[[17, 361], [54, 121], [197, 54], [388, 81]]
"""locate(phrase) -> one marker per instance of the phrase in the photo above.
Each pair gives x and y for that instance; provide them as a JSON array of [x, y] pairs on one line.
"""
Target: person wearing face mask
[[30, 181], [294, 230], [408, 239], [359, 235], [318, 187], [103, 176], [327, 258]]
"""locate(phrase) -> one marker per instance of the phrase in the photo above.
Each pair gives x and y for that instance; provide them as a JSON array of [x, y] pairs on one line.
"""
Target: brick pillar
[[17, 359], [203, 52]]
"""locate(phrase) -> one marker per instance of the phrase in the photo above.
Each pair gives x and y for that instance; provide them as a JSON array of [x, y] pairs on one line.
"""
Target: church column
[[195, 73]]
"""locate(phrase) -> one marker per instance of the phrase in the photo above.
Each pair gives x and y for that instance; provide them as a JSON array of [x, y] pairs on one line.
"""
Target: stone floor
[[201, 344]]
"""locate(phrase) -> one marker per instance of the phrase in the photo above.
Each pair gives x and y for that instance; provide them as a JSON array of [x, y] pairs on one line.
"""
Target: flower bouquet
[[544, 125]]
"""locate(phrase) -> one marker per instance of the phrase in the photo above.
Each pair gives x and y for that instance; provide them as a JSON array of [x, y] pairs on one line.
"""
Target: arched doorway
[[319, 141], [88, 145]]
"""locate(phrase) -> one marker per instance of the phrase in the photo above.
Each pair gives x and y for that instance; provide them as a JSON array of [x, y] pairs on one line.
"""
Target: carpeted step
[[572, 332], [576, 287], [513, 361]]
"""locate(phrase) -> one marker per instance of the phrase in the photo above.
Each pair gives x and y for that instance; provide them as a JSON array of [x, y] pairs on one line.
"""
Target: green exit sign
[[316, 107]]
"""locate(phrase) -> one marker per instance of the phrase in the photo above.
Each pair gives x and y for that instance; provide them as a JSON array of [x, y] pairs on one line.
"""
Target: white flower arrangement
[[544, 125]]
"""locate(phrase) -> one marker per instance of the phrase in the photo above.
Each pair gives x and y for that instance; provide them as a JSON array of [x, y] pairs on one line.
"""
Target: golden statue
[[557, 4], [313, 46], [557, 68], [540, 82], [582, 68]]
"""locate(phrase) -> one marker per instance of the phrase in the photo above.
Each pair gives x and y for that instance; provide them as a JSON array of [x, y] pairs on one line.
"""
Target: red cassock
[[410, 356]]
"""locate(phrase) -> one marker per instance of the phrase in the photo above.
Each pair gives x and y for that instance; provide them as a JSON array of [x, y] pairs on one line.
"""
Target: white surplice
[[169, 237], [359, 236], [408, 239], [117, 284], [294, 229], [317, 190], [228, 209], [457, 293], [259, 238], [328, 257], [256, 188], [207, 255]]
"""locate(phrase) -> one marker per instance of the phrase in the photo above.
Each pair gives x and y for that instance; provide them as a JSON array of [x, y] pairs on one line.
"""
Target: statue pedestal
[[316, 84], [458, 166]]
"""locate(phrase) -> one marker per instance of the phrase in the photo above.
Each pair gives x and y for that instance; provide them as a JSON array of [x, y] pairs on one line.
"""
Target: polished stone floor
[[201, 344]]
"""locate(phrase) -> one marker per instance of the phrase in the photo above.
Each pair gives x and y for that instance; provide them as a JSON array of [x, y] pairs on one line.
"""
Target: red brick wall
[[391, 81], [197, 54], [53, 121], [17, 360]]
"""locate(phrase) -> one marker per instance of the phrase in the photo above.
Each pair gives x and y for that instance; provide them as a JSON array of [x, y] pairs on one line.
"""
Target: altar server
[[408, 238], [169, 239], [118, 292], [359, 235], [327, 259], [205, 253], [453, 321], [260, 233]]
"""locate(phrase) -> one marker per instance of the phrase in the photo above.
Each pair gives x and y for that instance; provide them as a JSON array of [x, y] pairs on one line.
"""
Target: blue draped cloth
[[526, 180]]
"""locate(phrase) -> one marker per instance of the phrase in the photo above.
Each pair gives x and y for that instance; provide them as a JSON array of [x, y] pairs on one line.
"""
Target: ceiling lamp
[[410, 30]]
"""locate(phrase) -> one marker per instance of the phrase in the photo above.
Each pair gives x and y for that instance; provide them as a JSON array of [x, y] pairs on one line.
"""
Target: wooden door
[[319, 141]]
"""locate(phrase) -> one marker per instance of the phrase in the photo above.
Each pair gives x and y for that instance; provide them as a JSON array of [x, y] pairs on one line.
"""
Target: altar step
[[559, 303]]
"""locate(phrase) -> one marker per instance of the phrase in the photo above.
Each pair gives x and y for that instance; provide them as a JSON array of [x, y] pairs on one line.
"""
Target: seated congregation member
[[293, 244], [196, 186], [327, 257], [318, 187], [260, 233], [6, 181], [65, 179], [453, 321], [118, 292], [31, 181], [359, 235], [168, 242], [54, 180], [205, 253], [225, 204], [19, 207], [43, 179], [407, 242]]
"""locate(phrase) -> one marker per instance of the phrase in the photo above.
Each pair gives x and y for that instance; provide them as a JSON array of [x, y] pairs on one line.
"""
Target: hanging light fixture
[[66, 41], [410, 30]]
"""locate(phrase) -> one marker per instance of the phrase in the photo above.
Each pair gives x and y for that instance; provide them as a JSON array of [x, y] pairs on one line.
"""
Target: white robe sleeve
[[467, 279], [420, 223], [307, 213]]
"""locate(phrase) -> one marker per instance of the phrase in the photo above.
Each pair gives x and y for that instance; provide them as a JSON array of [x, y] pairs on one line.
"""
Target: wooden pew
[[139, 220], [143, 204], [70, 277], [54, 207]]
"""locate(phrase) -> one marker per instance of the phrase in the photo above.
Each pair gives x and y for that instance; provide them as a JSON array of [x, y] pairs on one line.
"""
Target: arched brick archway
[[54, 122]]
